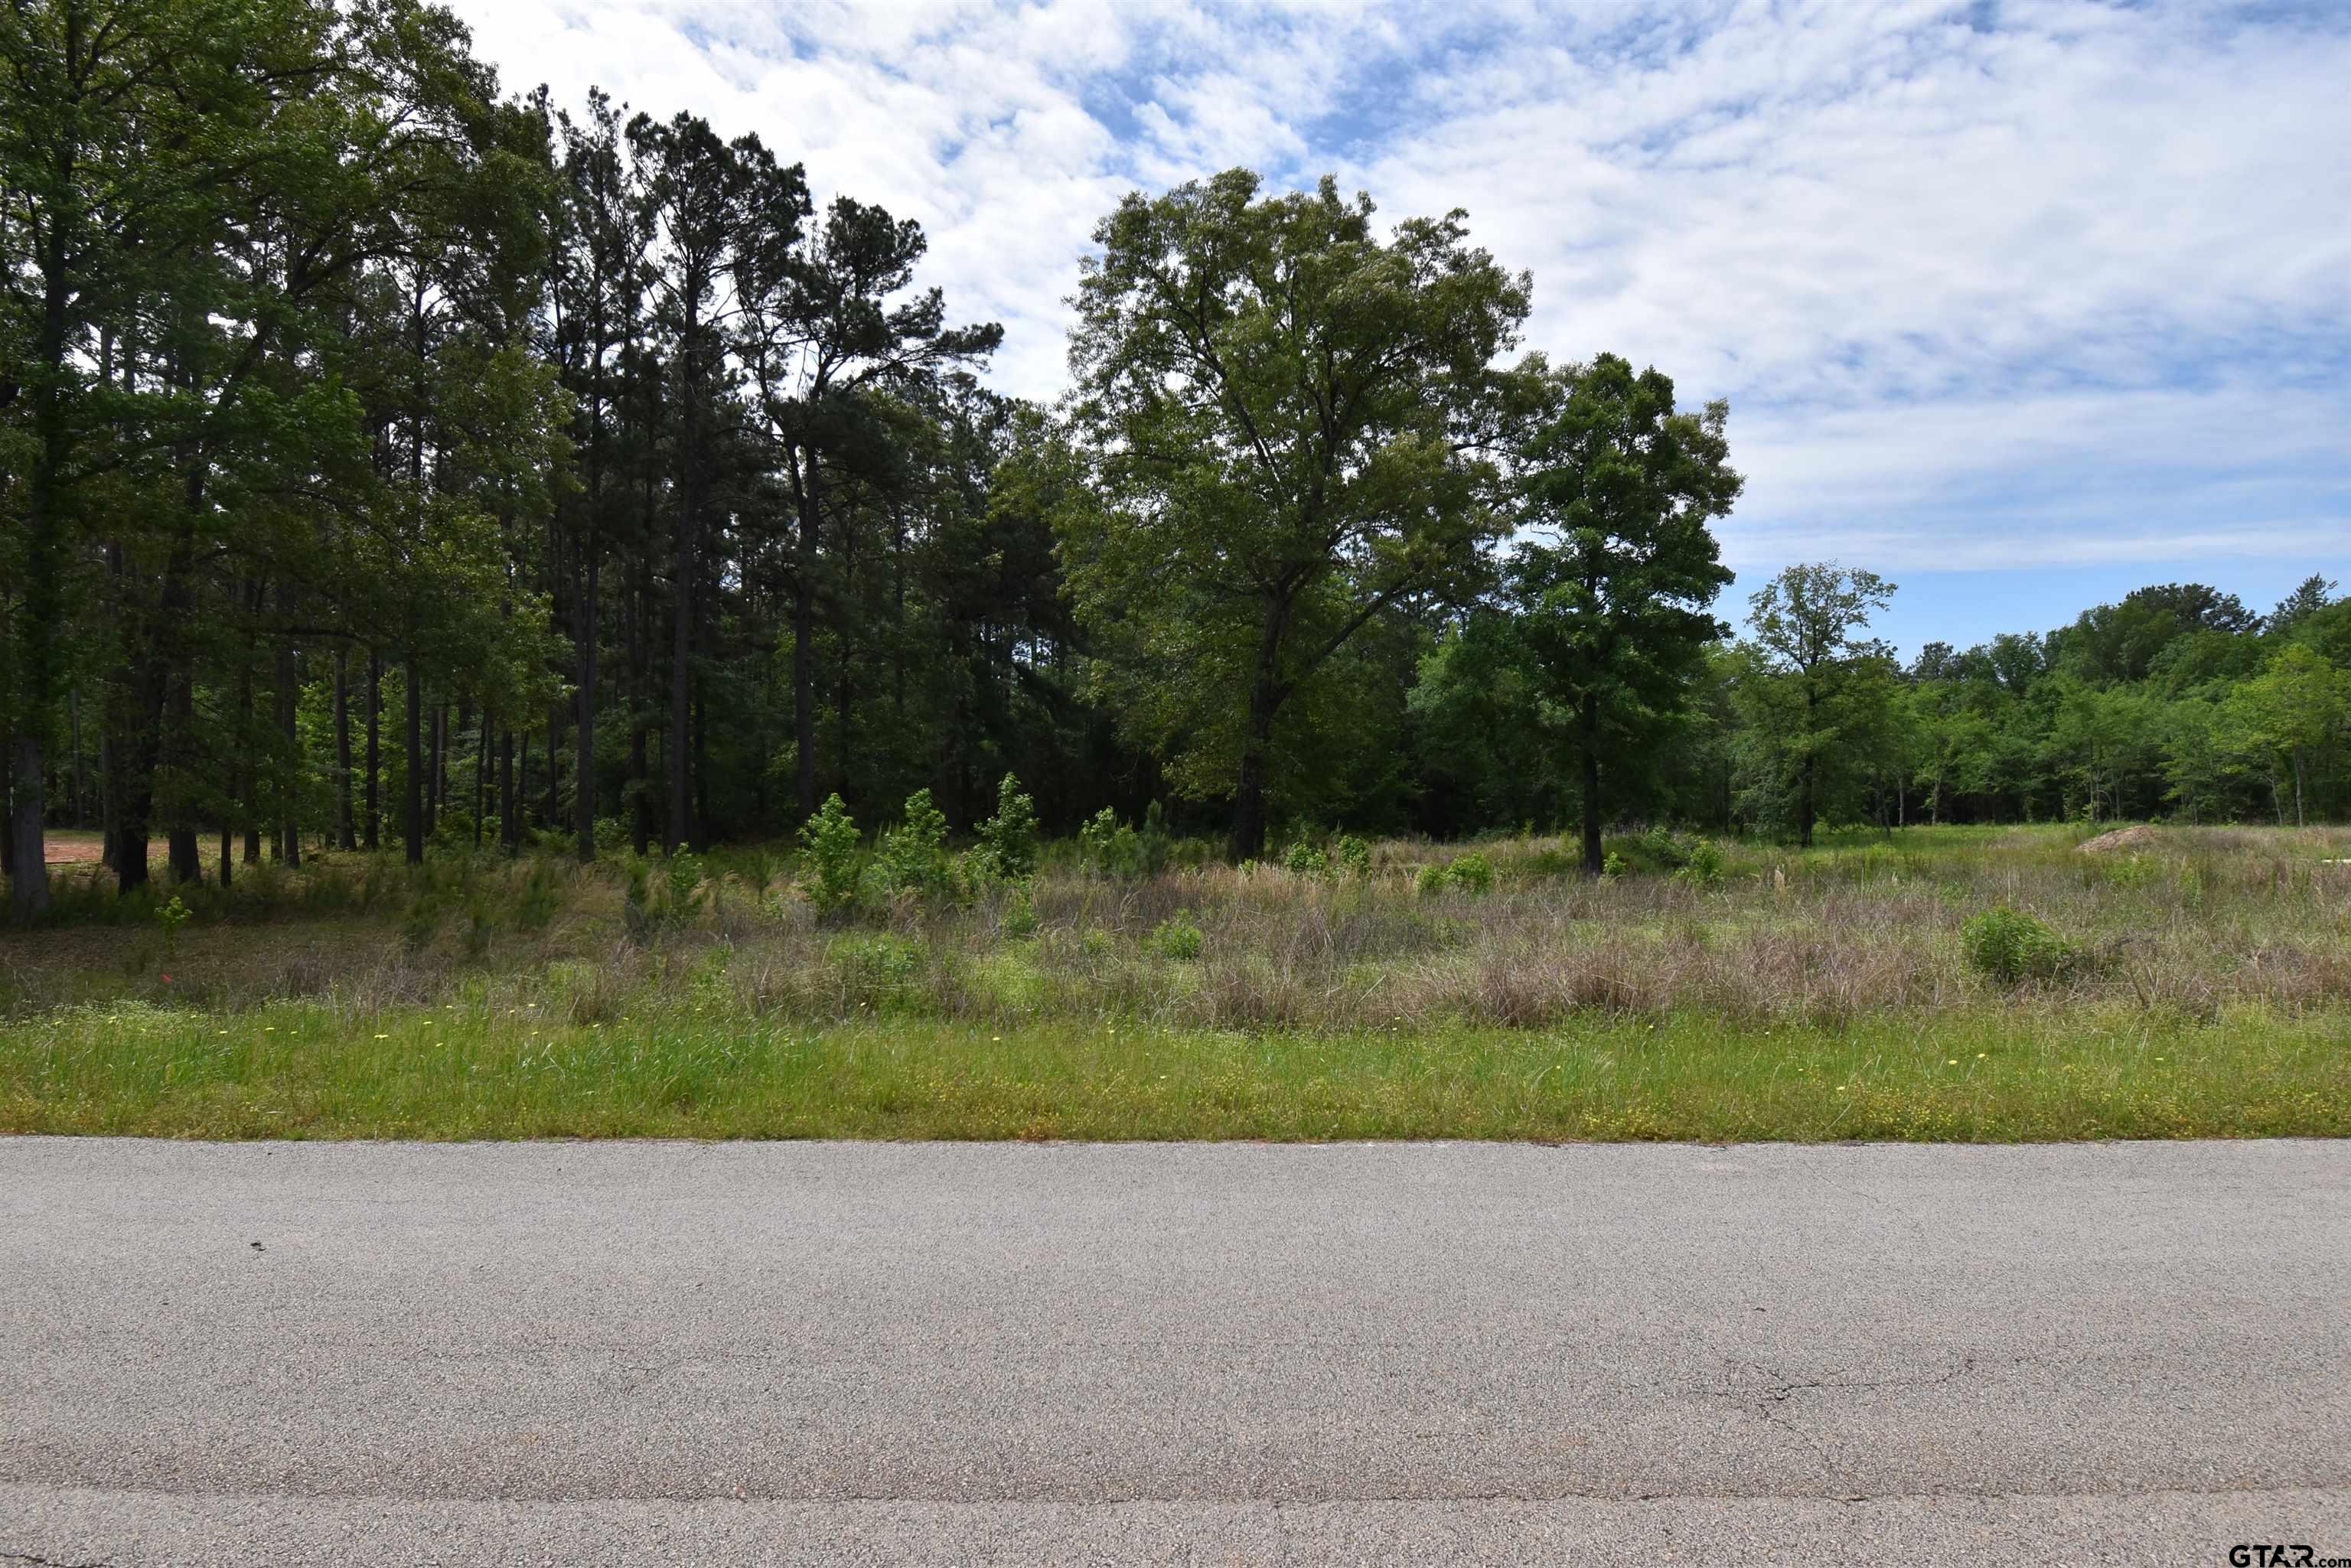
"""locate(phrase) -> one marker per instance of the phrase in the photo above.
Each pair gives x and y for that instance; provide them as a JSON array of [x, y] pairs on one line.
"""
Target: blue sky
[[2020, 303]]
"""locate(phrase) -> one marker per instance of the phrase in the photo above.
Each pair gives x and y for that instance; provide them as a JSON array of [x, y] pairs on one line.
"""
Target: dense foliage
[[646, 504]]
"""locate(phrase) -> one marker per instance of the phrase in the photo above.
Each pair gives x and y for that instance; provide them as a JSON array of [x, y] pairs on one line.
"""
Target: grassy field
[[2203, 988]]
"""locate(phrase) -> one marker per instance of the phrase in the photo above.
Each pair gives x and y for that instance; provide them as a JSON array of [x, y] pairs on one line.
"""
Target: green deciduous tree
[[1283, 414], [1613, 595], [1809, 697], [2293, 713]]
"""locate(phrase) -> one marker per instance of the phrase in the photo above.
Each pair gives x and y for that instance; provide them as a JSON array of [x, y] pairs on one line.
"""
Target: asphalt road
[[820, 1353]]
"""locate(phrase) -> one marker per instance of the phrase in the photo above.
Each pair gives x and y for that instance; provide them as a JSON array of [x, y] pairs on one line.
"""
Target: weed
[[1178, 936], [2010, 946]]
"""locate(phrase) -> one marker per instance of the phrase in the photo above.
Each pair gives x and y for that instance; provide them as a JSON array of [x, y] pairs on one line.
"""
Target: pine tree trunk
[[80, 779], [289, 830], [412, 816], [28, 870], [804, 559], [372, 838], [553, 811], [584, 770], [481, 769], [701, 775], [1596, 859], [641, 810], [346, 835], [186, 856], [509, 829]]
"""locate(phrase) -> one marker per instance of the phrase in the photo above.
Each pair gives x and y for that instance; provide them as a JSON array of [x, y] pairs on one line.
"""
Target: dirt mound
[[2139, 838]]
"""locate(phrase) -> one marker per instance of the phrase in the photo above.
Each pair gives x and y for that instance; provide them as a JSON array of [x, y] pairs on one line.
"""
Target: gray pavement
[[664, 1353]]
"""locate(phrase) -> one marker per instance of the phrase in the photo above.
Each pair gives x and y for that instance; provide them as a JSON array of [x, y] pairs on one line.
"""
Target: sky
[[2019, 303]]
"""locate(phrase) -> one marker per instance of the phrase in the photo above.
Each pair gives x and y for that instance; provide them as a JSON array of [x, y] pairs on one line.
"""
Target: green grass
[[469, 1072], [2205, 991]]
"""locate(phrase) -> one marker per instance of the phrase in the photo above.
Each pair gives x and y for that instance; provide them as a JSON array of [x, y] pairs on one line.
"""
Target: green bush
[[1111, 848], [878, 963], [1472, 873], [1612, 866], [170, 917], [542, 894], [1354, 855], [636, 897], [1008, 842], [1306, 859], [1018, 917], [830, 839], [2010, 946], [1178, 937], [483, 921], [1432, 881], [682, 880], [1704, 865], [1555, 862], [422, 921], [913, 856]]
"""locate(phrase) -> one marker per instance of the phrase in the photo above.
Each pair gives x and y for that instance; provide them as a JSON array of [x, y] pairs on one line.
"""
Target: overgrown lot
[[1960, 984]]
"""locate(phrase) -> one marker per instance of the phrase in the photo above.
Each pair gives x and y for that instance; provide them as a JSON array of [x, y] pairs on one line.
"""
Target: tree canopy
[[649, 501]]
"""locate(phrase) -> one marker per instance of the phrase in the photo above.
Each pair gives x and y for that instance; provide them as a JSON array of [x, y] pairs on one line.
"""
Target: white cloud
[[2081, 277]]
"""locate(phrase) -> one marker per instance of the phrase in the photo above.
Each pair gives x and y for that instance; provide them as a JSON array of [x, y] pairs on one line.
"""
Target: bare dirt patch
[[2139, 838]]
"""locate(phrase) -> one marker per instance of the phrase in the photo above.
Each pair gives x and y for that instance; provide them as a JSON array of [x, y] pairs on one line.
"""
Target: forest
[[391, 461]]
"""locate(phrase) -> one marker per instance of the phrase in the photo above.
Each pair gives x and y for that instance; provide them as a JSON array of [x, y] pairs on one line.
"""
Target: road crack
[[1780, 1388]]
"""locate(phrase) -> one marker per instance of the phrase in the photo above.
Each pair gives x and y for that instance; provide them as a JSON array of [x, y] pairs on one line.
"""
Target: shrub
[[612, 835], [1008, 842], [2010, 946], [879, 956], [637, 898], [1612, 866], [1178, 937], [1018, 917], [1705, 864], [482, 922], [1153, 846], [422, 921], [1472, 873], [541, 895], [914, 854], [1662, 847], [1306, 859], [170, 917], [830, 839], [682, 878], [1109, 847], [1354, 855], [1432, 881]]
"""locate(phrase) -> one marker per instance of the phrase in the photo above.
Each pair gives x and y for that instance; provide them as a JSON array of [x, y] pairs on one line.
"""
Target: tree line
[[385, 458]]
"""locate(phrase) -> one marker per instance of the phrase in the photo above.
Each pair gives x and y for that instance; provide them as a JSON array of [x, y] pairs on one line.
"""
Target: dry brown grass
[[2205, 921]]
